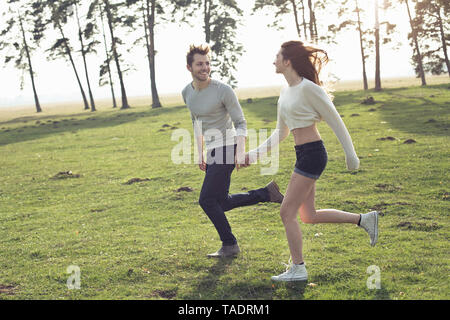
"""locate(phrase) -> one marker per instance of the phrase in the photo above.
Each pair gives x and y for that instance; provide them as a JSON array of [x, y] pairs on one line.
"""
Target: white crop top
[[300, 106]]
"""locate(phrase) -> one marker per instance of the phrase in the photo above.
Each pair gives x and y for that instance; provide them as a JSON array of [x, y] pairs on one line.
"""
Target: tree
[[361, 44], [149, 10], [390, 28], [85, 50], [55, 12], [14, 40], [220, 21], [413, 35], [351, 15], [281, 8], [149, 20], [377, 50], [113, 20], [431, 22], [105, 74], [105, 68], [311, 30], [312, 22], [347, 12]]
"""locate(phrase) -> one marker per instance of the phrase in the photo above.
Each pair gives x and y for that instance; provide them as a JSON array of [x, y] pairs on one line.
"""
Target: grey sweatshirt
[[214, 110]]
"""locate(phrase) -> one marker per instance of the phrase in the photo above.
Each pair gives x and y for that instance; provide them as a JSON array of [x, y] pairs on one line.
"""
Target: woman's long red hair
[[307, 61]]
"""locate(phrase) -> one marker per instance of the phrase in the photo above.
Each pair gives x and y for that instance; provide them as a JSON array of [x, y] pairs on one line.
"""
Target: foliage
[[19, 35], [431, 16], [220, 21]]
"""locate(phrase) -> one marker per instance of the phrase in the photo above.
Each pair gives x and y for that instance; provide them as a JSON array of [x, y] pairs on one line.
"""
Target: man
[[214, 109]]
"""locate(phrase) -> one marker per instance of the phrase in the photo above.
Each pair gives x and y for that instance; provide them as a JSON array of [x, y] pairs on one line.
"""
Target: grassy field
[[144, 239]]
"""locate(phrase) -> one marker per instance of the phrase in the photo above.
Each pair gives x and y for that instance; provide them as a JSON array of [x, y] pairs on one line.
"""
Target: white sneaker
[[369, 222], [294, 272]]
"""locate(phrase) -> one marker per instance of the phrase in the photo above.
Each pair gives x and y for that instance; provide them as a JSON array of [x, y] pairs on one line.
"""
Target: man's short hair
[[201, 49]]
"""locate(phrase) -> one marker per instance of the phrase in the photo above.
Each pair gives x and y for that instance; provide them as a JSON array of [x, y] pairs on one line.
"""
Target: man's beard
[[200, 78]]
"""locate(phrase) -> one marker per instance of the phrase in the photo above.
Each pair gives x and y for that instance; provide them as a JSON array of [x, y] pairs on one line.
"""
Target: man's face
[[279, 63], [200, 68]]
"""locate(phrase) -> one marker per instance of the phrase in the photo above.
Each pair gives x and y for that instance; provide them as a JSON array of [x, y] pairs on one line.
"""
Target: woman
[[303, 103]]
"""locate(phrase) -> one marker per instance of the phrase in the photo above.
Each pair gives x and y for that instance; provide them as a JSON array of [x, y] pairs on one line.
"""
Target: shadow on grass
[[208, 284], [44, 126], [411, 109], [214, 286], [263, 109]]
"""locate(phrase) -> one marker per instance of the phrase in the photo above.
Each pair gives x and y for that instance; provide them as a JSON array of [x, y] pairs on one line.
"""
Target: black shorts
[[311, 159]]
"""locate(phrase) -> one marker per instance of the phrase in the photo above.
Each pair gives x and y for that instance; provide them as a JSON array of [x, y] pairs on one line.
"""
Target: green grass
[[147, 241]]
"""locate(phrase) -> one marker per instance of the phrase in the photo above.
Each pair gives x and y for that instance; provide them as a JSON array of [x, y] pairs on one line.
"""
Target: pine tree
[[220, 21], [15, 42], [431, 22]]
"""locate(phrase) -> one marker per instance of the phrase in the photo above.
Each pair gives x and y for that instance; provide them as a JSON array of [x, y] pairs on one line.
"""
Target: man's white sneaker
[[294, 272], [369, 222]]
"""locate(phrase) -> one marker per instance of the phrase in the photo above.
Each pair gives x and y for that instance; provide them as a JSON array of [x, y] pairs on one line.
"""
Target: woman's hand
[[250, 158], [239, 161]]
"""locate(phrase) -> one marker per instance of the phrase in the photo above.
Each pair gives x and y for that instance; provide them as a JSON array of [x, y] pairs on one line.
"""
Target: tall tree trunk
[[27, 50], [294, 9], [116, 56], [363, 56], [305, 28], [312, 23], [316, 34], [377, 50], [111, 84], [444, 44], [416, 43], [207, 17], [69, 54], [151, 51], [83, 53]]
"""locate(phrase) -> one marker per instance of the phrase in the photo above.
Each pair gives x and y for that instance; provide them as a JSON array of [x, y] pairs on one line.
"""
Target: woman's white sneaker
[[294, 272], [369, 222]]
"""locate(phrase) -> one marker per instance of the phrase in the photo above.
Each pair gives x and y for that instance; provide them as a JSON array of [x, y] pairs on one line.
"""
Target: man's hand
[[249, 159], [239, 161], [202, 164]]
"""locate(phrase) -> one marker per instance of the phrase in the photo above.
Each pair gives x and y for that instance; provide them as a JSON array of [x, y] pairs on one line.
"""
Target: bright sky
[[56, 80]]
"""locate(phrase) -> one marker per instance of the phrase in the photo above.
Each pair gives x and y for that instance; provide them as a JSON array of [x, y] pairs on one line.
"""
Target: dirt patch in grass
[[387, 138], [388, 187], [8, 289], [369, 100], [381, 207], [419, 226], [65, 175], [186, 189], [166, 294], [136, 180]]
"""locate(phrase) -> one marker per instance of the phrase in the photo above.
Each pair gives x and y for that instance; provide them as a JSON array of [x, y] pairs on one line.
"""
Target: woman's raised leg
[[309, 214]]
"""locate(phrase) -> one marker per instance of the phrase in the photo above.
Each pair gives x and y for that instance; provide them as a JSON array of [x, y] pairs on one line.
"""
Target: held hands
[[201, 163], [247, 161], [240, 160]]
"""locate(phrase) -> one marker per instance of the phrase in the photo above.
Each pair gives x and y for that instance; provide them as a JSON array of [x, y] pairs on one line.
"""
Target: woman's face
[[279, 63]]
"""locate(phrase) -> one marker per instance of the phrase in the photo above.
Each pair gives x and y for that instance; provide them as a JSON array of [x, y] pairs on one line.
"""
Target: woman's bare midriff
[[305, 135]]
